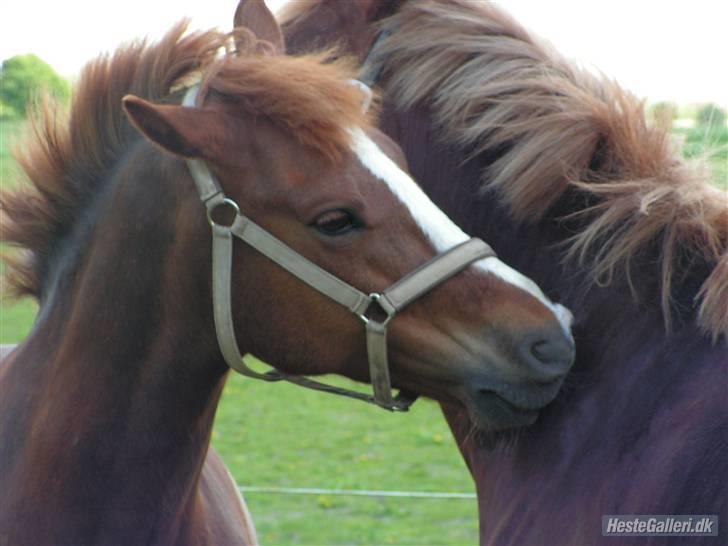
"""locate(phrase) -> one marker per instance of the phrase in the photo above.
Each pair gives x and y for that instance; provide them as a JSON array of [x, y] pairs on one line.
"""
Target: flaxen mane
[[494, 87], [67, 158]]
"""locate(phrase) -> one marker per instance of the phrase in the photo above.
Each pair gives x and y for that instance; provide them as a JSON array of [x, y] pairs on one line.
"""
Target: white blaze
[[439, 229]]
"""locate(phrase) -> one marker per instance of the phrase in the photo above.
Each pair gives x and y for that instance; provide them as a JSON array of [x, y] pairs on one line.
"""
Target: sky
[[660, 50]]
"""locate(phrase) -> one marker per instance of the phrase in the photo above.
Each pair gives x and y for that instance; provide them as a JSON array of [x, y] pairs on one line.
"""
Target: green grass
[[9, 134], [15, 318], [282, 435]]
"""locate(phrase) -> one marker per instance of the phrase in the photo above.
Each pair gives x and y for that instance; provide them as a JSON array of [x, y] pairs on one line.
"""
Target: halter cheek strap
[[390, 301], [370, 69]]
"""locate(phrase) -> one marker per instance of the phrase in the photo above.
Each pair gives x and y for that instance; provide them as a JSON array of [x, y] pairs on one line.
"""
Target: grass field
[[10, 131], [281, 435]]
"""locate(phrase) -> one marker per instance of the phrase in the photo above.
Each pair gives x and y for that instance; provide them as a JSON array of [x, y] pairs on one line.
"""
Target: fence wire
[[356, 492]]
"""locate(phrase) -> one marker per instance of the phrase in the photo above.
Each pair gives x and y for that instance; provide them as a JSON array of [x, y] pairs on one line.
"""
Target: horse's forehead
[[438, 228], [390, 148]]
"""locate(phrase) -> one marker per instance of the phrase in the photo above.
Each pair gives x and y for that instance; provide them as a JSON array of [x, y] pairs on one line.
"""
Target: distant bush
[[711, 115], [7, 111], [663, 113], [22, 79]]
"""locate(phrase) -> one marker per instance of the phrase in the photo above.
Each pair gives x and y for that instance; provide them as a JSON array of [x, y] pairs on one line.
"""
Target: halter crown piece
[[390, 301]]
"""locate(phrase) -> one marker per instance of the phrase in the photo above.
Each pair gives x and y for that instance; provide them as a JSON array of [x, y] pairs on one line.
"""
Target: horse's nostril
[[552, 351], [542, 350], [546, 354]]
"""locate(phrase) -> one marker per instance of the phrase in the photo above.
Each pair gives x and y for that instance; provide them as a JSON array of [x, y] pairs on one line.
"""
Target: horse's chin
[[495, 405], [489, 412]]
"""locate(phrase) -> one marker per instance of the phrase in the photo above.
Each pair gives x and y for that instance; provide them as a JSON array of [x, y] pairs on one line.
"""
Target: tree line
[[24, 78]]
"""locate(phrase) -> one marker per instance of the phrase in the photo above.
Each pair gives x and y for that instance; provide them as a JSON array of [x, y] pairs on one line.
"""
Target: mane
[[308, 95], [493, 87], [66, 156]]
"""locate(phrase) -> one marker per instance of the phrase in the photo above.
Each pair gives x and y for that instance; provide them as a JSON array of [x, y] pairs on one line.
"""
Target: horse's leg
[[225, 505]]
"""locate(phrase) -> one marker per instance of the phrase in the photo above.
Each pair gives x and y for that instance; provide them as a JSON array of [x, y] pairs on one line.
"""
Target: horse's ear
[[255, 15], [177, 129]]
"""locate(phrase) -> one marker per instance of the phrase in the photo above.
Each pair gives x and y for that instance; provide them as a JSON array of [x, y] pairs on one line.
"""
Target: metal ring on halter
[[374, 297], [224, 202]]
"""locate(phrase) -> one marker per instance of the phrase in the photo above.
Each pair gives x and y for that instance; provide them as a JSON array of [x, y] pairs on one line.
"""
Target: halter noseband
[[390, 301]]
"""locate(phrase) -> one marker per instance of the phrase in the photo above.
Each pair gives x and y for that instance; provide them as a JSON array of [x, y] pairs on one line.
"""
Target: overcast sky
[[664, 50]]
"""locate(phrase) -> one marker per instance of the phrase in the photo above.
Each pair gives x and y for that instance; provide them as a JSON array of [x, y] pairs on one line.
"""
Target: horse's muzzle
[[547, 354]]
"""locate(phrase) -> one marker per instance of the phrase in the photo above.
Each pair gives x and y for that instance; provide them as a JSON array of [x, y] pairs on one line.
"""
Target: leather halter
[[370, 70], [390, 301]]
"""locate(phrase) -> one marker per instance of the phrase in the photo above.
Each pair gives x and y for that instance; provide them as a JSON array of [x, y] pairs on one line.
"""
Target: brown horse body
[[561, 172], [106, 408]]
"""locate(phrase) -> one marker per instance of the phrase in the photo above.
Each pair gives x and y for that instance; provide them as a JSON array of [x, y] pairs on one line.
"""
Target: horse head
[[290, 145]]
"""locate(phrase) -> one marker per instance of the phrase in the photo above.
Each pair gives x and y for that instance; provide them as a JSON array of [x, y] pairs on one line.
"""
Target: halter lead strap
[[391, 301], [370, 71]]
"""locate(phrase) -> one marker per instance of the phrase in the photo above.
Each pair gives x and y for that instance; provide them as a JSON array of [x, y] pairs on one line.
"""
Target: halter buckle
[[376, 298]]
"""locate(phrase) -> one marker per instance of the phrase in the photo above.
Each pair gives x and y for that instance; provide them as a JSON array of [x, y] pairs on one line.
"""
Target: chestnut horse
[[106, 408], [559, 170]]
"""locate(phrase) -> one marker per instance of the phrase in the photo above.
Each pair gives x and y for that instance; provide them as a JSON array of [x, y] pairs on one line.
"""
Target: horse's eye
[[336, 222]]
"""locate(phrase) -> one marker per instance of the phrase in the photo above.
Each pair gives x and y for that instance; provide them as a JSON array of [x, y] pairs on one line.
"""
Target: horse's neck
[[106, 408], [638, 404], [638, 429]]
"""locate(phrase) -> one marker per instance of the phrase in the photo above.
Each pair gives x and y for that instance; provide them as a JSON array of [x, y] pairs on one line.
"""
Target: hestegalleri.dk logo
[[655, 526]]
